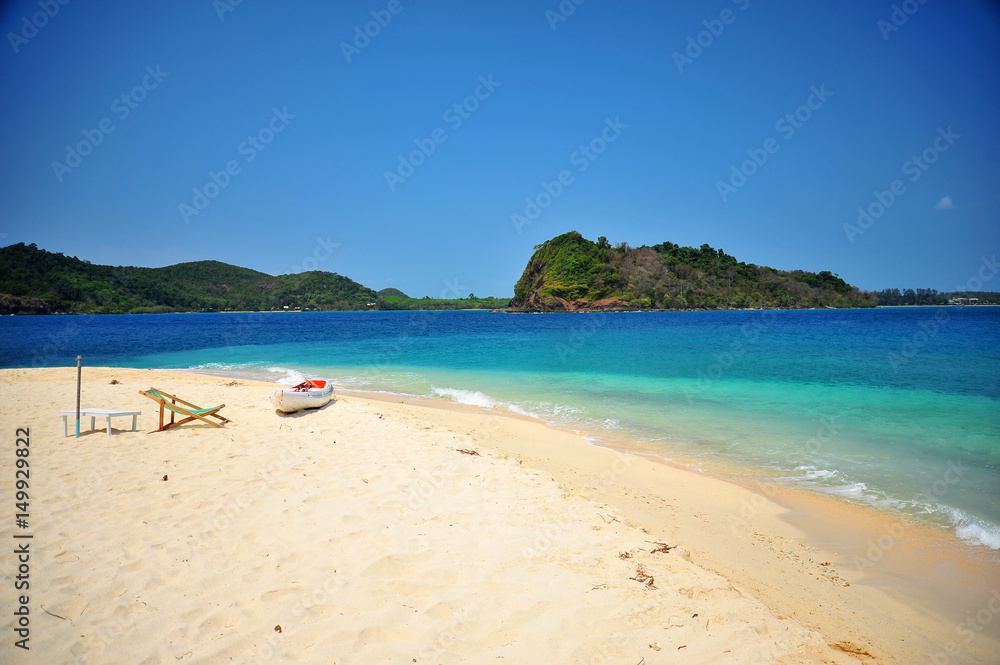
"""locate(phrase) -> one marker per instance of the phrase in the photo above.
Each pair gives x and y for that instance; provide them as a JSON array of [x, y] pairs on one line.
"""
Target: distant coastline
[[504, 310], [565, 274]]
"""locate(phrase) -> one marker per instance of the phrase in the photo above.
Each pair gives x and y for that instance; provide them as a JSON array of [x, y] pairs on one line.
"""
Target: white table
[[95, 413]]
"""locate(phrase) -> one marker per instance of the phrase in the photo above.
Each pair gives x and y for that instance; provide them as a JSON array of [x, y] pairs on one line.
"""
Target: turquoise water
[[894, 407]]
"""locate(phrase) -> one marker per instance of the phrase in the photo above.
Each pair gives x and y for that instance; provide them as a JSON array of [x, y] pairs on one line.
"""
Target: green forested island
[[571, 273], [67, 284], [396, 299], [566, 273], [35, 281]]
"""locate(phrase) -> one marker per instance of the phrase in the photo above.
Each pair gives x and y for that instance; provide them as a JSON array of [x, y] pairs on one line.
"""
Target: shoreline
[[650, 310], [785, 549], [867, 546], [753, 478]]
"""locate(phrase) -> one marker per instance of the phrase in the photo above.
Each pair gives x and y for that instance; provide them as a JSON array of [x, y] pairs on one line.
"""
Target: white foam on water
[[974, 530], [832, 481], [254, 371], [470, 397], [812, 473], [980, 532], [476, 398], [969, 528], [215, 366], [857, 491], [289, 377]]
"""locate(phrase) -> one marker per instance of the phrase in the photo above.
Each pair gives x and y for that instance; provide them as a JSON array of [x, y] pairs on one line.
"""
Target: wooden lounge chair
[[178, 406]]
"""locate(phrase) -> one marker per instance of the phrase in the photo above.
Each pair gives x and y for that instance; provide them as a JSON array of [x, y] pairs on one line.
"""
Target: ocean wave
[[476, 398], [812, 473], [214, 366], [288, 376], [972, 529], [225, 367], [836, 483], [248, 370], [856, 491], [980, 532]]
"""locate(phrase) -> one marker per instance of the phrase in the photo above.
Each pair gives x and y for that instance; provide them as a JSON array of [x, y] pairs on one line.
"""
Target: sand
[[382, 532]]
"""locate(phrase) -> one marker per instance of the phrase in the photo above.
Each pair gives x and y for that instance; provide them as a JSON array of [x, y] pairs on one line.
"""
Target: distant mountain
[[392, 292], [33, 280], [571, 273]]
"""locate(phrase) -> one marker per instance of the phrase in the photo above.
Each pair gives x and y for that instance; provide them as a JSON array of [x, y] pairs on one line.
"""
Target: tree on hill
[[570, 272], [68, 284]]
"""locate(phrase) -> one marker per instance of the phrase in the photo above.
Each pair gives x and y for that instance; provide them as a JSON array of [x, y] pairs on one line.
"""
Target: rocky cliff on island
[[571, 274]]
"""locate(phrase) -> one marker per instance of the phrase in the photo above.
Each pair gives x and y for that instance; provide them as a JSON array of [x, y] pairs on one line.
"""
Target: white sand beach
[[373, 531]]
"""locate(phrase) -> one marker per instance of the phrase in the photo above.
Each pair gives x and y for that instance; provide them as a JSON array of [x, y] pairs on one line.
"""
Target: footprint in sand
[[278, 595], [134, 566], [219, 620], [253, 577], [154, 582], [295, 557], [68, 580]]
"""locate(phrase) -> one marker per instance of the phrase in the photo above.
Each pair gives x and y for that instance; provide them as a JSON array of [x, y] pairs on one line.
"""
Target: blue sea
[[898, 408]]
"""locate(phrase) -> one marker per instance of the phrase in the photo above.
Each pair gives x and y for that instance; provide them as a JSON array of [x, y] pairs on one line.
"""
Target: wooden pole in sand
[[79, 376]]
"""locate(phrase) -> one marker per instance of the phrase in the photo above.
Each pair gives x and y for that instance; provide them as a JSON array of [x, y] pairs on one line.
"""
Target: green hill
[[32, 276], [428, 303], [571, 273], [391, 292]]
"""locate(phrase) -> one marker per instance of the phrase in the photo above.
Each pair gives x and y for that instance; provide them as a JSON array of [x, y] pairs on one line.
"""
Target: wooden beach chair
[[178, 406]]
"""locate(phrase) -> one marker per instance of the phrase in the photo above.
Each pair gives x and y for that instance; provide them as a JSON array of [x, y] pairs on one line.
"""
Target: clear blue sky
[[199, 80]]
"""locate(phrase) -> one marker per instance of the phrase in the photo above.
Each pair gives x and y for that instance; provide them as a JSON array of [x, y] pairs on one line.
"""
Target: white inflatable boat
[[309, 394]]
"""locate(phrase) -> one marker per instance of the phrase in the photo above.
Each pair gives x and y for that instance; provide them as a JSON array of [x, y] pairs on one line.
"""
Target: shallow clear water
[[895, 407]]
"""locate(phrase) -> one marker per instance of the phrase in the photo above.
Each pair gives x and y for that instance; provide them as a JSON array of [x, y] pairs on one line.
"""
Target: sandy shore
[[366, 532]]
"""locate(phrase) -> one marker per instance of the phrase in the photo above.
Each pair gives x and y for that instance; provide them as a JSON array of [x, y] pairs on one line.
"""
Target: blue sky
[[757, 127]]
